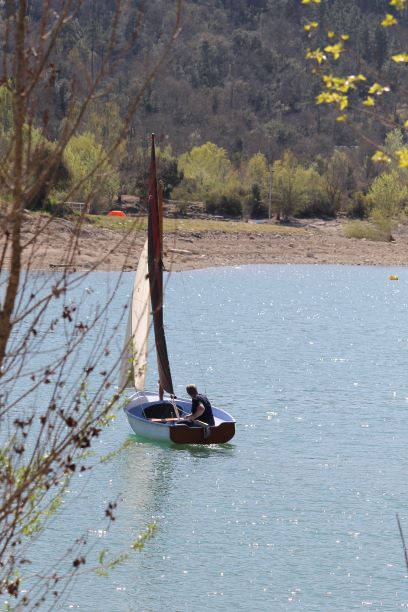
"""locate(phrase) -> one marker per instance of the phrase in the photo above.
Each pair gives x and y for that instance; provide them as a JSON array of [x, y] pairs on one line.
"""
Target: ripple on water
[[298, 511]]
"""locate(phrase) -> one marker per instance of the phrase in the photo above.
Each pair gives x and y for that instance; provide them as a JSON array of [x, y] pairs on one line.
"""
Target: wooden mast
[[156, 276]]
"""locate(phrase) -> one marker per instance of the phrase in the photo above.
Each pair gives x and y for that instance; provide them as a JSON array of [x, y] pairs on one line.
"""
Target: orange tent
[[116, 213]]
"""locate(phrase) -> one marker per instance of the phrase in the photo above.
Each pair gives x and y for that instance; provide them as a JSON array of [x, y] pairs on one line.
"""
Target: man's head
[[192, 390]]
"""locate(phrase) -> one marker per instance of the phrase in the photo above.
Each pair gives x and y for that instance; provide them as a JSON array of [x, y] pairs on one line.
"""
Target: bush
[[318, 206], [225, 205], [388, 194], [368, 231], [315, 201], [359, 207]]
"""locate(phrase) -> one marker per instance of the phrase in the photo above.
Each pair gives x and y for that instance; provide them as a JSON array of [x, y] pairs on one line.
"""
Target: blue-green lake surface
[[299, 510]]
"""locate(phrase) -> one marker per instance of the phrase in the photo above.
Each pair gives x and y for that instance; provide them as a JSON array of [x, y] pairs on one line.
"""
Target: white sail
[[134, 358]]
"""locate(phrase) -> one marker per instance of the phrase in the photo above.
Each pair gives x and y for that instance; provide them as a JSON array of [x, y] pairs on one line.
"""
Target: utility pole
[[270, 193]]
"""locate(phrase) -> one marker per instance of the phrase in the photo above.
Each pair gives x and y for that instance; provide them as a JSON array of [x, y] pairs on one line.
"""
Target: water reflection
[[203, 450]]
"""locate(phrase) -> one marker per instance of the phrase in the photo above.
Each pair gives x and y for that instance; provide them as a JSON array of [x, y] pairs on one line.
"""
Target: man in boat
[[200, 407]]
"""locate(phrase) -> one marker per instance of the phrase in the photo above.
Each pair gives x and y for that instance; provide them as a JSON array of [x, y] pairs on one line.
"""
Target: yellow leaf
[[403, 157], [310, 26], [378, 89], [311, 1], [399, 4], [400, 58], [406, 124], [389, 20], [343, 103], [341, 118], [335, 50], [317, 55], [330, 34], [369, 101], [344, 37], [379, 156]]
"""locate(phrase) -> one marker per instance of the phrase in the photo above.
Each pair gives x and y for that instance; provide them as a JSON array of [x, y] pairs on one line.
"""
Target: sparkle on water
[[298, 511]]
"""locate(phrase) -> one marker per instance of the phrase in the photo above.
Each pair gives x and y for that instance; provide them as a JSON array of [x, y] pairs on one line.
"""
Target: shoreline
[[56, 244]]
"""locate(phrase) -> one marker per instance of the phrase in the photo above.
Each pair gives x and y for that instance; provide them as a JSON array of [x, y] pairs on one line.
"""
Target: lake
[[299, 510]]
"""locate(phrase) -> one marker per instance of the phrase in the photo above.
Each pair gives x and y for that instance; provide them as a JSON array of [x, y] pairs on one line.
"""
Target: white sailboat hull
[[176, 431]]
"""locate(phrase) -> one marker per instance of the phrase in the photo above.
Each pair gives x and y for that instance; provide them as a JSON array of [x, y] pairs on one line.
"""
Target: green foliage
[[359, 207], [288, 186], [394, 141], [106, 124], [335, 179], [91, 175], [386, 201], [44, 171], [232, 73], [388, 195], [285, 187], [257, 172], [106, 564], [135, 169], [255, 206], [225, 205], [208, 167], [167, 170], [383, 223], [313, 201], [6, 111], [367, 231]]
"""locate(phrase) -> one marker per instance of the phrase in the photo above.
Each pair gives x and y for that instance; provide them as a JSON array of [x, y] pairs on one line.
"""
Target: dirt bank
[[58, 243]]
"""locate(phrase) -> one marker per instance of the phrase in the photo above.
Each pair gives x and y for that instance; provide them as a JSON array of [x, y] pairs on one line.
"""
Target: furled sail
[[156, 276], [134, 357]]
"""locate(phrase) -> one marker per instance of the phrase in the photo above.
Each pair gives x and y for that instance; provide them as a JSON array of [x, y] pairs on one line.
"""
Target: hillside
[[236, 75], [228, 92]]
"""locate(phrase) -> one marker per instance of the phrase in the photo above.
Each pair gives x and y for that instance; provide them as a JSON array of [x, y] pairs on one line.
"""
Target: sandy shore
[[53, 245]]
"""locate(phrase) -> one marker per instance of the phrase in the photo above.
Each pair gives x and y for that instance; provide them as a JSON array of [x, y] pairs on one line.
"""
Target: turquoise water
[[298, 511]]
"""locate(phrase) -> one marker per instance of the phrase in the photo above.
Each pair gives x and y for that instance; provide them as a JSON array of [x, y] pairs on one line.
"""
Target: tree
[[134, 169], [287, 188], [52, 350], [257, 172], [168, 170], [357, 94], [335, 179], [208, 166], [91, 174], [255, 205], [225, 205], [388, 196]]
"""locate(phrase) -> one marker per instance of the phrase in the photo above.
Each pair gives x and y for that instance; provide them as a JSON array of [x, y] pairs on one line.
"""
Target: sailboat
[[157, 415]]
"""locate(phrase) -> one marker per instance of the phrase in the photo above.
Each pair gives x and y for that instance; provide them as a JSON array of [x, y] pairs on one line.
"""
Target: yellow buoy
[[393, 277]]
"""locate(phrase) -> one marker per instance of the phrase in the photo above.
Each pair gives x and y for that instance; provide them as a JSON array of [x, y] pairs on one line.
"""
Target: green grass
[[192, 225]]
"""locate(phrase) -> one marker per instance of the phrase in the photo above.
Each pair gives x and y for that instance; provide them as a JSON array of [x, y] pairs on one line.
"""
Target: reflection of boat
[[148, 415]]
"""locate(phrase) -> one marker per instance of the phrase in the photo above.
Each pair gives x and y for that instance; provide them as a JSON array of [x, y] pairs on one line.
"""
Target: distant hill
[[236, 75]]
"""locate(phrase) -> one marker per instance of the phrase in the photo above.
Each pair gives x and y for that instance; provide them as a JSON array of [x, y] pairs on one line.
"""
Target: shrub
[[226, 205], [317, 206], [388, 194], [366, 230], [359, 207]]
